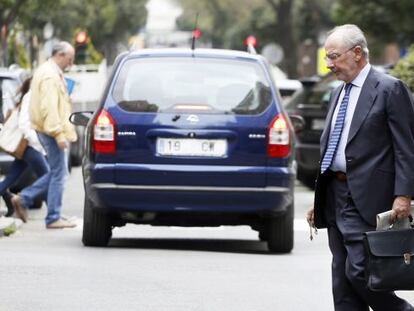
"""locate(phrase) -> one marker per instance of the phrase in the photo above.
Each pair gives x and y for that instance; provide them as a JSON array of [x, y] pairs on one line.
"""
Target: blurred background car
[[287, 87], [311, 103]]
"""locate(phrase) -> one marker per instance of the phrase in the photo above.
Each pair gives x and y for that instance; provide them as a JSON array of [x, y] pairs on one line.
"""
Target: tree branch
[[275, 6], [13, 12]]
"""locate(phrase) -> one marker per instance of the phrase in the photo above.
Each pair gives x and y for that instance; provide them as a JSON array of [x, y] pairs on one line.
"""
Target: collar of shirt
[[362, 76]]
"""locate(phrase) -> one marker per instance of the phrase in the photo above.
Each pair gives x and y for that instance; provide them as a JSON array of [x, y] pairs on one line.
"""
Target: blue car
[[189, 138]]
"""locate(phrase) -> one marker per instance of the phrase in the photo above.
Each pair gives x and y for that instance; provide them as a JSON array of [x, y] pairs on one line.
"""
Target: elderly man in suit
[[366, 167]]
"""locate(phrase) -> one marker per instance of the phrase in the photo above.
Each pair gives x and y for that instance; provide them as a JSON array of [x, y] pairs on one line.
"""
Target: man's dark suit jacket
[[380, 149]]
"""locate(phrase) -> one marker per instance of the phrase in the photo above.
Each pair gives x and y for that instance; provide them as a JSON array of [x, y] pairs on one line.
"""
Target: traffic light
[[81, 41], [196, 33], [251, 42]]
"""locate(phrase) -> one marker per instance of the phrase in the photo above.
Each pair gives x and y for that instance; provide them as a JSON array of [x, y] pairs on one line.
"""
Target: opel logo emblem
[[193, 118]]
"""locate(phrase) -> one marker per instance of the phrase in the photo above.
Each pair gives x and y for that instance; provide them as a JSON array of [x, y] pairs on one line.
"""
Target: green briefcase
[[390, 259]]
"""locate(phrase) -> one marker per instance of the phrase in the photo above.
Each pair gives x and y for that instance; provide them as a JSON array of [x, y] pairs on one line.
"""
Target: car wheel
[[263, 234], [280, 234], [97, 228]]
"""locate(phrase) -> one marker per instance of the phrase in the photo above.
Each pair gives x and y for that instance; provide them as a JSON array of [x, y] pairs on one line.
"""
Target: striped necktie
[[337, 131]]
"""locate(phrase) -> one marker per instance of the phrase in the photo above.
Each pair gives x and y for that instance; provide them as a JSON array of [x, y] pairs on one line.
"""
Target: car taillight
[[278, 134], [103, 138]]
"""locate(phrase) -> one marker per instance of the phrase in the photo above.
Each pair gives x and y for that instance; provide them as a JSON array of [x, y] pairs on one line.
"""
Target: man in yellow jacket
[[50, 109]]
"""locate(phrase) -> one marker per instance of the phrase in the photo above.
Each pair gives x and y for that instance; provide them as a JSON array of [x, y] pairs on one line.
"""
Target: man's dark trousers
[[345, 232]]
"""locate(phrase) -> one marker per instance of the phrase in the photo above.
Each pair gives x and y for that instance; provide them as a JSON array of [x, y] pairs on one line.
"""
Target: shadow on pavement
[[207, 245]]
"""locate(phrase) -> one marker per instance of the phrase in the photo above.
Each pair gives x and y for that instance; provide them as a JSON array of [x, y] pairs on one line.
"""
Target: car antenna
[[196, 33]]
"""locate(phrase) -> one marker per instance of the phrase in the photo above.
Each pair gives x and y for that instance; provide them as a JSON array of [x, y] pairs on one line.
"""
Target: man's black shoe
[[7, 199]]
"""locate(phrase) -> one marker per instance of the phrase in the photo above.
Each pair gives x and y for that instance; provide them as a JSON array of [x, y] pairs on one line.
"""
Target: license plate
[[318, 124], [192, 147]]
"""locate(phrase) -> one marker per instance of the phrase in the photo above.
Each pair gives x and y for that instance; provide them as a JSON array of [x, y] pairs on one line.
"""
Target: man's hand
[[310, 216], [310, 219], [62, 144], [400, 207]]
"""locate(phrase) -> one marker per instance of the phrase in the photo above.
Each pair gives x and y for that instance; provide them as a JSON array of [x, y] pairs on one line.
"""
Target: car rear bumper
[[225, 190], [190, 198]]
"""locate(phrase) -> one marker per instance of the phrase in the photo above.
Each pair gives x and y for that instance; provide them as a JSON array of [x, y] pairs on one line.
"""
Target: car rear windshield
[[202, 85]]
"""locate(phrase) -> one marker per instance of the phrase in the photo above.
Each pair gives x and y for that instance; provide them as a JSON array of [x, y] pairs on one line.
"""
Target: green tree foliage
[[108, 22], [16, 51], [216, 17], [390, 21], [311, 18], [404, 69], [383, 21], [226, 23], [9, 11]]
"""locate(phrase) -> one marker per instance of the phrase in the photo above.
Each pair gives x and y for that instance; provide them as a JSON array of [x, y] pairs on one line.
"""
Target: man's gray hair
[[351, 35], [61, 47]]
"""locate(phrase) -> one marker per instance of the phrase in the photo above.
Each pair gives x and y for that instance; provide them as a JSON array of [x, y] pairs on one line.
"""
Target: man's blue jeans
[[59, 169], [37, 162]]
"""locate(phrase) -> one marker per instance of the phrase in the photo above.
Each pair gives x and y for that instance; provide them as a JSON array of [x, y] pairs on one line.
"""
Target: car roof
[[219, 53]]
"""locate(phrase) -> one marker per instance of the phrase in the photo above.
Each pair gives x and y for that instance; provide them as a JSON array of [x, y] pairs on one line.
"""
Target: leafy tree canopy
[[108, 22], [405, 69], [390, 21]]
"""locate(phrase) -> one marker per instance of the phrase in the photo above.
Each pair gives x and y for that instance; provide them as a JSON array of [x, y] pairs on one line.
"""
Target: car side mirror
[[80, 118], [298, 122]]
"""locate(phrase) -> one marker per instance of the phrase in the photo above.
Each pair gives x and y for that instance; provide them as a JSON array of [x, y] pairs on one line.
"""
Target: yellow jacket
[[50, 105]]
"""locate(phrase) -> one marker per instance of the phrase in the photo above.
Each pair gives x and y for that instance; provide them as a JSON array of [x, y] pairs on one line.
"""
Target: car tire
[[263, 234], [280, 234], [97, 228]]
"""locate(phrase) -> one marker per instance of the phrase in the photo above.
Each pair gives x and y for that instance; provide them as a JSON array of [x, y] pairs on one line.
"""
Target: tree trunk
[[5, 22], [219, 22], [284, 34], [3, 51]]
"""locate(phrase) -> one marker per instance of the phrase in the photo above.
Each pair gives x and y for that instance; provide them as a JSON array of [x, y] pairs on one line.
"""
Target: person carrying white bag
[[33, 156]]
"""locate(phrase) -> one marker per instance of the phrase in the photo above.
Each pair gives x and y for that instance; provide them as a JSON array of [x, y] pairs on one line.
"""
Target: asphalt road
[[152, 268]]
